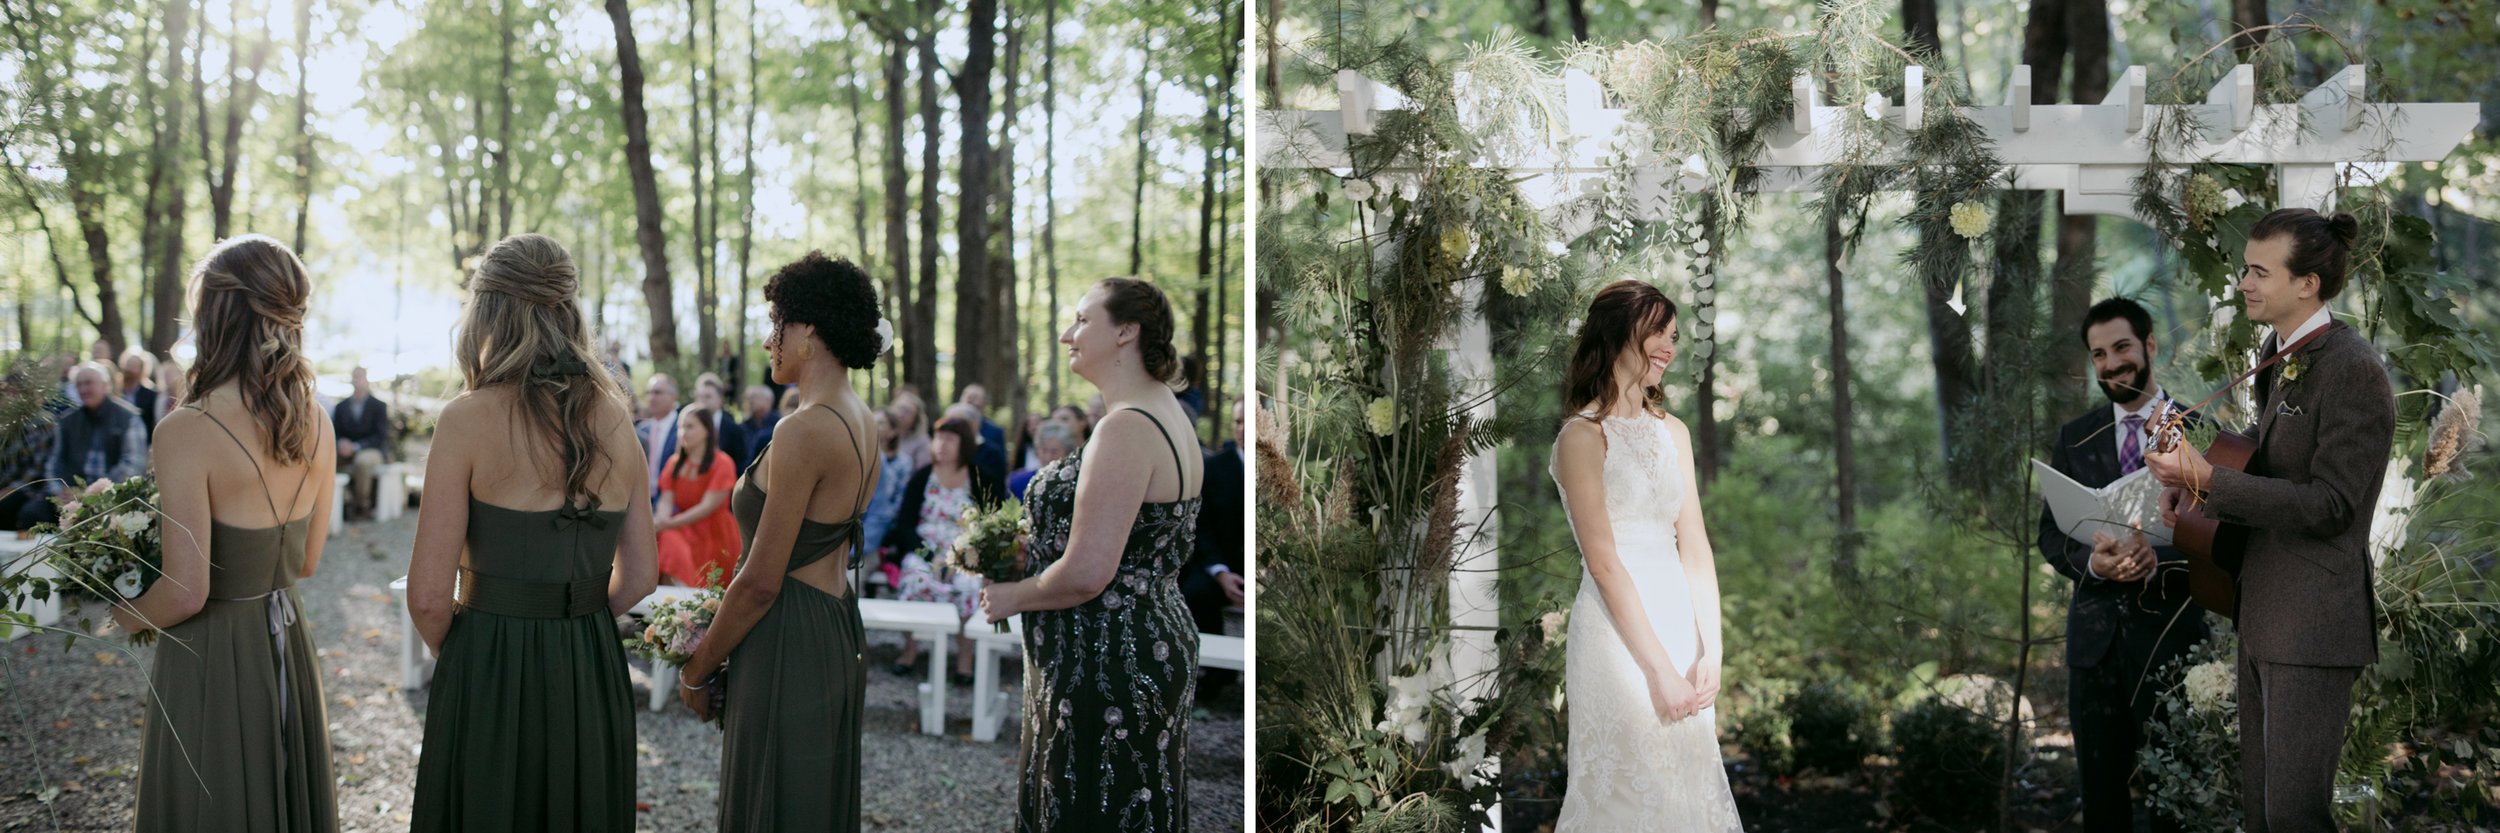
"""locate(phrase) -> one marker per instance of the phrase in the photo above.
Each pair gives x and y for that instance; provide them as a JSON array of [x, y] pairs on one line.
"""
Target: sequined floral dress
[[1108, 683]]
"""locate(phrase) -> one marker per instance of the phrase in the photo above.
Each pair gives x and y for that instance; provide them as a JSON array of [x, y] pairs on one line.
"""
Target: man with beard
[[2130, 615]]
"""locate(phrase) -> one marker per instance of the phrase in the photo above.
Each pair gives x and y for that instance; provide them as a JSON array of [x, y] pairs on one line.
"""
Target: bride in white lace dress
[[1642, 670]]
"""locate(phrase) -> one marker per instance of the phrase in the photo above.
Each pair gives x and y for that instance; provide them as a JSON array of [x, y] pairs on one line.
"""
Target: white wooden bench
[[989, 708], [932, 622], [390, 495], [47, 612]]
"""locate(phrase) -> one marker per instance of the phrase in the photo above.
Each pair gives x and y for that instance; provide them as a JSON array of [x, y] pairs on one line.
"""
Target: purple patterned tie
[[2130, 449]]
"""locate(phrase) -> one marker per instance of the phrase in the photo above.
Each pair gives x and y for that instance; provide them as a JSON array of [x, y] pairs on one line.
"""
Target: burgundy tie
[[2130, 449]]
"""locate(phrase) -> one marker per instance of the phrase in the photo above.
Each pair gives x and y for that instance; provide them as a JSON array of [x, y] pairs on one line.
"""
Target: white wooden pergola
[[2332, 137]]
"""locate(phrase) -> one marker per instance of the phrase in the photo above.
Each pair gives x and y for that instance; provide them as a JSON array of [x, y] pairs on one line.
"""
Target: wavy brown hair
[[1625, 313], [523, 326], [248, 297], [1138, 301]]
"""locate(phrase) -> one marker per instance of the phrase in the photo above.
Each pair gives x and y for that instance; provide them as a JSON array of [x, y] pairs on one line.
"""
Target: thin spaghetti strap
[[263, 477], [1167, 441], [860, 505]]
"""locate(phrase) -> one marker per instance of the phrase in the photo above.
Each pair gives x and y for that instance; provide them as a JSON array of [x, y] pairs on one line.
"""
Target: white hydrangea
[[2211, 685]]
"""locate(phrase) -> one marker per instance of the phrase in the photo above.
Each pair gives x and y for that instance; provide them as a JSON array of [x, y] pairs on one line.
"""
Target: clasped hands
[[1674, 698], [2122, 559]]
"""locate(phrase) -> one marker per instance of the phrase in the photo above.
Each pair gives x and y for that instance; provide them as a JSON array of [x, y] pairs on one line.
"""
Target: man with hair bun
[[2325, 425]]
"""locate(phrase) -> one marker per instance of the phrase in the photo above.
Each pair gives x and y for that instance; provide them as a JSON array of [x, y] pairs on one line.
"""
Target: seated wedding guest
[[934, 502], [887, 498], [1022, 451], [732, 440], [138, 371], [789, 403], [1212, 581], [986, 456], [697, 533], [761, 417], [1079, 425], [659, 417], [912, 422], [172, 385], [363, 425], [100, 441], [1050, 443]]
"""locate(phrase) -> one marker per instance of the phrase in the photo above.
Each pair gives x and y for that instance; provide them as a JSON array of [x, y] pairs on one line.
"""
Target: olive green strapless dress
[[790, 749], [531, 722], [236, 736]]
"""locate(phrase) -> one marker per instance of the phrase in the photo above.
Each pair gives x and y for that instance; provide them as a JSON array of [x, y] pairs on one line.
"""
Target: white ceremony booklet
[[2126, 502]]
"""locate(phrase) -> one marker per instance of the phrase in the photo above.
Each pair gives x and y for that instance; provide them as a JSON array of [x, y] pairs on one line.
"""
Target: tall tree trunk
[[656, 292], [2070, 292], [1222, 367], [1579, 19], [1006, 362], [2246, 15], [60, 268], [241, 92], [713, 350], [1050, 171], [1709, 13], [972, 220], [1204, 303], [1949, 344], [503, 125], [87, 203], [303, 129], [1137, 203], [151, 226], [924, 307], [706, 340], [1844, 449], [898, 210], [1540, 19], [746, 200], [167, 248]]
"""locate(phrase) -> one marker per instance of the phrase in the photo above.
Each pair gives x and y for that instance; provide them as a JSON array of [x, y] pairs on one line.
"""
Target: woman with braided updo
[[1111, 654], [789, 630], [537, 503], [236, 735]]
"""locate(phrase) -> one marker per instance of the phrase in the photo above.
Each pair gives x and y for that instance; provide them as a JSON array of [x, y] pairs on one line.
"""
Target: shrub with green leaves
[[1831, 728], [1950, 759]]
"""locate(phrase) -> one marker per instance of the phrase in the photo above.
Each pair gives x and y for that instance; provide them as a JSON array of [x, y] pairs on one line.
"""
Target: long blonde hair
[[523, 326], [248, 298]]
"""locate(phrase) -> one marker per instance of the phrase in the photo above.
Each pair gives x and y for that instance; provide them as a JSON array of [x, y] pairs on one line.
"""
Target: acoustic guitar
[[2214, 548]]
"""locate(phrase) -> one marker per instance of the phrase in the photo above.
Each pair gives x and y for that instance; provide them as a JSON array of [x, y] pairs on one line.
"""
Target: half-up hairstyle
[[523, 326], [1134, 301], [248, 298], [1625, 313], [2321, 245]]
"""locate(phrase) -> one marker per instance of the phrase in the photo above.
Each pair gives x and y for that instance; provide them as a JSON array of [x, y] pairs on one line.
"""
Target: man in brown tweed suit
[[2326, 422]]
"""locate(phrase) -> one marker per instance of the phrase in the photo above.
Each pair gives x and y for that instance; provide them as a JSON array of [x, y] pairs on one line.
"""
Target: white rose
[[128, 583], [131, 523]]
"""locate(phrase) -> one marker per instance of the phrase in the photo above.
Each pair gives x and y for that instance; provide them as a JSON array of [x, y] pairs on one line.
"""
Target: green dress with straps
[[530, 724], [1108, 683], [795, 687], [237, 737]]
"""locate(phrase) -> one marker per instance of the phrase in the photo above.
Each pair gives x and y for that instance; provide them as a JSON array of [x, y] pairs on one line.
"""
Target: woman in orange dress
[[696, 534]]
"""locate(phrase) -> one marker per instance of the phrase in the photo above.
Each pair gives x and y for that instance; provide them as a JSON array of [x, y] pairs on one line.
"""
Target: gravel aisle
[[70, 741]]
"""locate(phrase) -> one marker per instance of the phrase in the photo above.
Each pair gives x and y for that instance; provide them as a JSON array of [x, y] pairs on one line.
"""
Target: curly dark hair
[[2321, 245], [835, 296], [1135, 301]]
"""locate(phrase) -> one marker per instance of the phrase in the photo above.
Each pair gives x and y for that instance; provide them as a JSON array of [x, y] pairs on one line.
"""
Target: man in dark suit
[[728, 437], [1212, 581], [137, 368], [100, 438], [2325, 424], [363, 426], [2130, 616]]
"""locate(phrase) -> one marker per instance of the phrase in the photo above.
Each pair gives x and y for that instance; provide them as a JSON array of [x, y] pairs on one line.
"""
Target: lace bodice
[[1644, 483]]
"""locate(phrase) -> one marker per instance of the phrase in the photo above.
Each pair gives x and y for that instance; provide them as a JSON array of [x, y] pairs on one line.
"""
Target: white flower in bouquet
[[131, 523], [129, 584], [1468, 766], [2211, 685]]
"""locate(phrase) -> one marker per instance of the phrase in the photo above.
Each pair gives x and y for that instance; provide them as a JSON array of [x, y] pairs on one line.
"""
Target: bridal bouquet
[[670, 634], [107, 543], [991, 544]]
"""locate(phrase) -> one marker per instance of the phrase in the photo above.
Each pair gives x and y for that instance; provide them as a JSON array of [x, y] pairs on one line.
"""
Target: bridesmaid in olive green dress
[[236, 736], [1111, 655], [537, 503], [788, 630]]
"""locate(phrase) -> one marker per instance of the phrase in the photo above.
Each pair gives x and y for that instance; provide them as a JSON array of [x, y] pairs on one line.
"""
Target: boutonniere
[[2292, 368]]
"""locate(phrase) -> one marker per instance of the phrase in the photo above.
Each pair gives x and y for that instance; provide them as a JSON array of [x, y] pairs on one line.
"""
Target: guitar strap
[[2279, 355]]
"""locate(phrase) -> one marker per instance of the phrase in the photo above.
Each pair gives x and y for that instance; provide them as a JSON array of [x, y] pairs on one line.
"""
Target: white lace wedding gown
[[1629, 769]]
